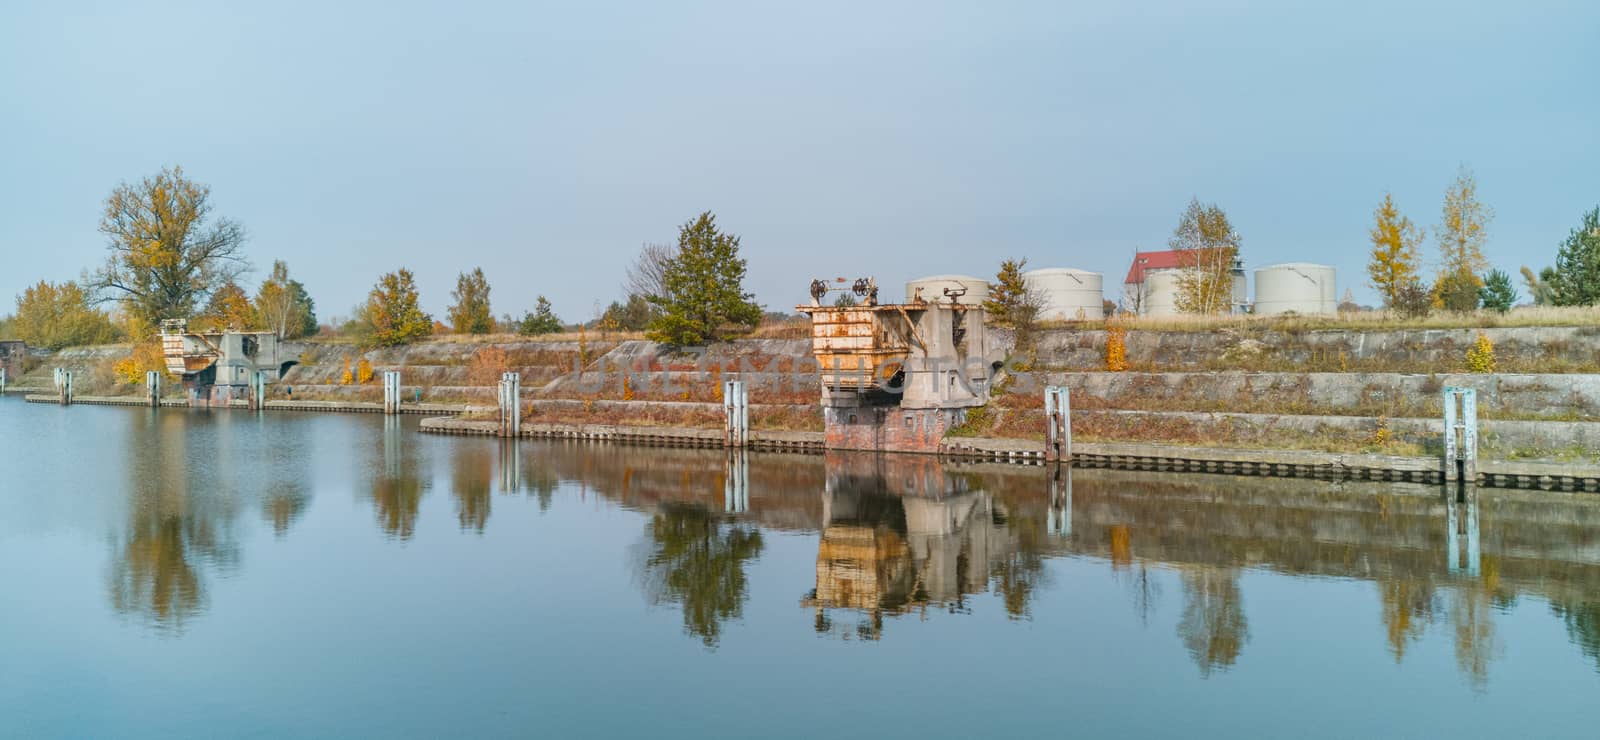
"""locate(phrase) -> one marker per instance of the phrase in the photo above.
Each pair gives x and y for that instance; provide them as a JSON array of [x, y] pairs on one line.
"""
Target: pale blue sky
[[545, 142]]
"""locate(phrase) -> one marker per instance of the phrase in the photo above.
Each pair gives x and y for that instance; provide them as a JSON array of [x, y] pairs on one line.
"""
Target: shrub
[[346, 378], [1480, 356], [1116, 349], [363, 372], [146, 356], [488, 365]]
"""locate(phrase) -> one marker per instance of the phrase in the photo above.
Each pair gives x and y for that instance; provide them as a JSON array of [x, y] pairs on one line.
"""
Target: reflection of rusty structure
[[896, 377], [217, 367], [903, 535]]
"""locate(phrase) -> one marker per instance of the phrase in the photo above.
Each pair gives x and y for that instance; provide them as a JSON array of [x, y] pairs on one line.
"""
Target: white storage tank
[[1300, 287], [1067, 294], [933, 287], [1160, 293]]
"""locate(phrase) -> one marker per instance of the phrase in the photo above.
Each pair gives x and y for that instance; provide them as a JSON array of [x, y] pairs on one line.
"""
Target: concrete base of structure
[[888, 428]]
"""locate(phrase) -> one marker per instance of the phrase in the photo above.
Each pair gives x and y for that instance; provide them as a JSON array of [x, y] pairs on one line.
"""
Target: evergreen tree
[[471, 314], [542, 320], [393, 315], [704, 286], [1012, 304], [634, 315], [1498, 294], [1575, 280]]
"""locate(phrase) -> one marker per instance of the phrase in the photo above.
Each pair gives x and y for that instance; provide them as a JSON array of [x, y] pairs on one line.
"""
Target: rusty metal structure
[[898, 376], [218, 367]]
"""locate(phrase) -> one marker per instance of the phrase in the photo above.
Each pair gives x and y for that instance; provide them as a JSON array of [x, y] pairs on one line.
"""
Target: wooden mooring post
[[736, 414], [510, 405], [64, 385], [1058, 424], [152, 388], [391, 392], [1461, 435]]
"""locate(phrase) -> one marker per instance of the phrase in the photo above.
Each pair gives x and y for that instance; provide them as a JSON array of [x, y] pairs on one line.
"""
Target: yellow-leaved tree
[[228, 308], [392, 314], [1463, 229], [1396, 260], [52, 316], [1208, 250]]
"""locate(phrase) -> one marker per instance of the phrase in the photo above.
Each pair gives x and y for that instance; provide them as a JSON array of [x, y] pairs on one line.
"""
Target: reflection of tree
[[1213, 628], [284, 504], [1019, 573], [470, 481], [1471, 614], [1144, 590], [1583, 625], [1408, 609], [695, 559], [395, 501], [178, 520]]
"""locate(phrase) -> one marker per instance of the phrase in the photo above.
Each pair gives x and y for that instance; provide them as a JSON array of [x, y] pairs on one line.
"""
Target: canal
[[191, 574]]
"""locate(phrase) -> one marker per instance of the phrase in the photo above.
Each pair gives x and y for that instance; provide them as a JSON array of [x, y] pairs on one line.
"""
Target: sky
[[546, 142]]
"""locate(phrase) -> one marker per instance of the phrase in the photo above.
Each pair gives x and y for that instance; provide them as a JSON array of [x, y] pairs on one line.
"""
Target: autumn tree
[[1575, 280], [228, 308], [283, 306], [542, 320], [1014, 305], [1396, 260], [1462, 231], [1208, 250], [392, 315], [470, 314], [167, 252], [703, 287], [52, 316], [1539, 285]]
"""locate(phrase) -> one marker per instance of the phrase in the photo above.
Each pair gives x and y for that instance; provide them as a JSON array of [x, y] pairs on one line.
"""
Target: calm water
[[222, 574]]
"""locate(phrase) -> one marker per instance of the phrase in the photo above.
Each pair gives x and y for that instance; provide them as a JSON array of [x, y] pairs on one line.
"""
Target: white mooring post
[[735, 414], [1058, 424], [64, 385], [258, 390], [56, 378], [1461, 435], [2, 381], [152, 388], [510, 405], [391, 392]]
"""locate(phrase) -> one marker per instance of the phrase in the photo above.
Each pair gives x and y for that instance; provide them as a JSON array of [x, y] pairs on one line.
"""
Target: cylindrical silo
[[931, 289], [1067, 294], [1159, 296], [1300, 287]]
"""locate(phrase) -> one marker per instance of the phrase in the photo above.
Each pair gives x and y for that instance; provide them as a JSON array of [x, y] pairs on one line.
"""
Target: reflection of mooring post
[[2, 381], [736, 491], [1058, 424], [1060, 521], [1461, 435], [510, 466], [1461, 538], [510, 405], [152, 387], [391, 392], [735, 414], [64, 386], [391, 446]]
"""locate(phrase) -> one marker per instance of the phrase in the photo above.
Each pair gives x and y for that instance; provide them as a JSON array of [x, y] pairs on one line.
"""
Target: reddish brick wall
[[888, 428]]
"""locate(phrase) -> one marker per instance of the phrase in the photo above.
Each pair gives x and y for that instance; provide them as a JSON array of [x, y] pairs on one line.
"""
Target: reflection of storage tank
[[1297, 286], [933, 287], [1067, 294], [1160, 293]]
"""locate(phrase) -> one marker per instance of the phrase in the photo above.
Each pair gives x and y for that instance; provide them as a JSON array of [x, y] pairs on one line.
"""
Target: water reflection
[[178, 521], [1213, 628], [903, 534], [397, 484], [696, 558]]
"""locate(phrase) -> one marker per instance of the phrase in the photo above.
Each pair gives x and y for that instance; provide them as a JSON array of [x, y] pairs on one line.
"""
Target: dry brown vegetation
[[1523, 316]]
